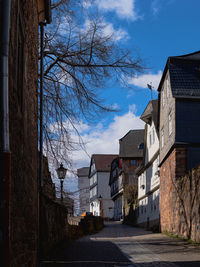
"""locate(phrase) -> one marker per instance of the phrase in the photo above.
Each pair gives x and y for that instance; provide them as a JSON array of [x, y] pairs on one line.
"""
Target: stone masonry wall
[[180, 196], [23, 79], [54, 224]]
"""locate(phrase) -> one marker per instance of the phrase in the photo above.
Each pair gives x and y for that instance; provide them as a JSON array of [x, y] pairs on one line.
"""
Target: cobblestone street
[[121, 245]]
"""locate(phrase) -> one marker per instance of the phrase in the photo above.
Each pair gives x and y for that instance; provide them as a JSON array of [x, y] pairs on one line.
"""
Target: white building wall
[[149, 180], [153, 145], [149, 208], [103, 189]]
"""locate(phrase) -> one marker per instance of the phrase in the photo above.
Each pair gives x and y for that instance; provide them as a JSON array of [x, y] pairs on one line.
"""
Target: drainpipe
[[4, 126]]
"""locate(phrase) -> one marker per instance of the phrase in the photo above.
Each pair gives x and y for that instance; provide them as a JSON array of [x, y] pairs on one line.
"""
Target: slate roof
[[83, 172], [151, 112], [129, 144], [103, 161], [184, 74]]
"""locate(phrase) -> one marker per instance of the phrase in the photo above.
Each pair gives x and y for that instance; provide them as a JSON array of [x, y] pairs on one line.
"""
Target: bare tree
[[80, 60]]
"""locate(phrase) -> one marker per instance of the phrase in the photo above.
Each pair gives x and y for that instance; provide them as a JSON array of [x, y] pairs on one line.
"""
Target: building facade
[[84, 189], [20, 237], [123, 176], [148, 172], [99, 173], [179, 94]]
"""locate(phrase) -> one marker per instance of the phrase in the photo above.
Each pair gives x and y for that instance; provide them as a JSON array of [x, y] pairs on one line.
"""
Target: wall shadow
[[87, 253]]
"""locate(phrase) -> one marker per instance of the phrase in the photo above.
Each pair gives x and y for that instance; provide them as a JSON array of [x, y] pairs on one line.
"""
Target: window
[[163, 97], [153, 135], [150, 139], [141, 146], [167, 87], [95, 178], [162, 138], [93, 192], [170, 123]]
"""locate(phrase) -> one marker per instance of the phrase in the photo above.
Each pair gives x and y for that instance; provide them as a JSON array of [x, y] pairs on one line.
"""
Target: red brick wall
[[173, 167], [180, 196]]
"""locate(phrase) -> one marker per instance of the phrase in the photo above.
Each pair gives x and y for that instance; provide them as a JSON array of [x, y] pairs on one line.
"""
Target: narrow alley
[[122, 245]]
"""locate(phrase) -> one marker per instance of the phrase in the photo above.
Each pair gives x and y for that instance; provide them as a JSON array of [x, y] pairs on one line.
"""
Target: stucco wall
[[153, 148], [104, 191]]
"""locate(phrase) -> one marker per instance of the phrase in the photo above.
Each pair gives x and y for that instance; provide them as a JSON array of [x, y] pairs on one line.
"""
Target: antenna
[[150, 86]]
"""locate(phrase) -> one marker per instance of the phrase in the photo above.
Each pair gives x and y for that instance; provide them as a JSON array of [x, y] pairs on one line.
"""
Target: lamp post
[[61, 171]]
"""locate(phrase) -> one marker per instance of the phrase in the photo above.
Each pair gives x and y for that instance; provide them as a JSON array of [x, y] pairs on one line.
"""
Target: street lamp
[[61, 171]]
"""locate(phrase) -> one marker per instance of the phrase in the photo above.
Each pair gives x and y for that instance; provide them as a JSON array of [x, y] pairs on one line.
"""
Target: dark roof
[[184, 74], [83, 172], [129, 144], [151, 112], [103, 161]]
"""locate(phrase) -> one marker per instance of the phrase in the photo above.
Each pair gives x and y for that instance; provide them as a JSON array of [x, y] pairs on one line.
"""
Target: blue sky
[[156, 29]]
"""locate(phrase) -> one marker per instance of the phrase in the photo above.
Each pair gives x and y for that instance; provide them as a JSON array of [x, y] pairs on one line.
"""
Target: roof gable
[[102, 162], [184, 74], [129, 144]]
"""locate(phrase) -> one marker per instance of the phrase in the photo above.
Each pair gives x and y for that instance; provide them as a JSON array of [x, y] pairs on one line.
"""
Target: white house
[[99, 174], [84, 189], [148, 173]]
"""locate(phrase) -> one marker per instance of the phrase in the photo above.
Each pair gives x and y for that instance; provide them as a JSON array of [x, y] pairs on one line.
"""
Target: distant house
[[148, 172], [179, 94], [116, 187], [123, 170], [84, 189], [99, 173]]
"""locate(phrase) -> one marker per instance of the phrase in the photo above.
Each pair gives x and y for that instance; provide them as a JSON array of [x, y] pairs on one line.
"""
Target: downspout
[[4, 141], [5, 30]]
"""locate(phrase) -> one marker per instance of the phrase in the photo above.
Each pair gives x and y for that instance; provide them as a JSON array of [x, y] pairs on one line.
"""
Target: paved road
[[120, 245]]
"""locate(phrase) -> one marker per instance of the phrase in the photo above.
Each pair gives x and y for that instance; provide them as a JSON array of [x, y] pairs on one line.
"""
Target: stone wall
[[180, 196], [54, 225], [48, 186], [23, 79]]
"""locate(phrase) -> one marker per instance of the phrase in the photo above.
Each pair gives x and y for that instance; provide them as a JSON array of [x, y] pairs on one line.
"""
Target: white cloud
[[106, 140], [107, 29], [87, 4], [117, 34], [123, 8], [144, 79]]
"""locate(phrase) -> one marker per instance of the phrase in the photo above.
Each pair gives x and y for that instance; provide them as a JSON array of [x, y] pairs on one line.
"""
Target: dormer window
[[141, 146]]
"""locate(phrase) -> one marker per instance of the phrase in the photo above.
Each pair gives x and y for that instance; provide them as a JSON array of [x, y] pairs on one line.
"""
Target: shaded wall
[[180, 196], [23, 79], [54, 224]]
